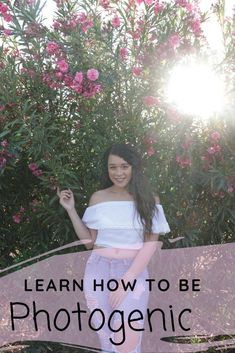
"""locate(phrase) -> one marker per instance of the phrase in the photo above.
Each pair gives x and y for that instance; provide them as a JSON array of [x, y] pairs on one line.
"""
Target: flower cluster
[[150, 101], [123, 52], [228, 188], [35, 169], [34, 204], [231, 185], [5, 155], [4, 11], [136, 70], [71, 23], [81, 83], [35, 30], [158, 7], [214, 150], [17, 218], [150, 139], [169, 48], [52, 48], [183, 161], [28, 72], [116, 22]]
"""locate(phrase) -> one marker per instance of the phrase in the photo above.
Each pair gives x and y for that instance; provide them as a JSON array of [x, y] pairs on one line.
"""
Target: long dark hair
[[138, 186]]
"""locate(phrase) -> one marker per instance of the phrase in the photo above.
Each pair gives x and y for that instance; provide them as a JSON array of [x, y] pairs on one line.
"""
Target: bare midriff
[[115, 253]]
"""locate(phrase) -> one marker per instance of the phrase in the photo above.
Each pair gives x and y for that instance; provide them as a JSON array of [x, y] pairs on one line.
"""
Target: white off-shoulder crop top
[[119, 225]]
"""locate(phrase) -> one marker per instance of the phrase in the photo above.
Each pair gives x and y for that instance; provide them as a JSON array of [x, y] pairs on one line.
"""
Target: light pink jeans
[[101, 274]]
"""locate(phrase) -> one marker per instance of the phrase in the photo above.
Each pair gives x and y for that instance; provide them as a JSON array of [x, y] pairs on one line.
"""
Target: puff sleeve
[[90, 218], [160, 224]]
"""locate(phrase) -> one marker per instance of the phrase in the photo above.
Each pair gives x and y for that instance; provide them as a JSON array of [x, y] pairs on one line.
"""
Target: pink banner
[[191, 300]]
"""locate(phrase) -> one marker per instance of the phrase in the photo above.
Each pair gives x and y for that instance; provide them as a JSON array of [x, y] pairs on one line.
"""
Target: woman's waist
[[116, 253]]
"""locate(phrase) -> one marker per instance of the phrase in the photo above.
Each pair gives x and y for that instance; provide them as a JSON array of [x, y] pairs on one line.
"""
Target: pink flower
[[139, 2], [211, 150], [158, 8], [183, 162], [149, 2], [73, 23], [68, 80], [150, 151], [92, 74], [22, 209], [56, 24], [2, 107], [97, 89], [189, 7], [230, 189], [78, 77], [196, 26], [7, 17], [76, 87], [3, 8], [150, 100], [136, 71], [7, 32], [182, 3], [30, 2], [174, 41], [150, 139], [52, 48], [4, 143], [37, 173], [214, 149], [116, 21], [63, 66], [33, 166], [82, 17], [87, 25], [59, 75], [217, 148], [123, 53], [104, 3], [17, 218], [3, 162], [215, 136]]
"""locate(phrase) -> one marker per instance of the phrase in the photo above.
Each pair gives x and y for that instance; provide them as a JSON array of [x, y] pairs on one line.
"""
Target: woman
[[123, 222]]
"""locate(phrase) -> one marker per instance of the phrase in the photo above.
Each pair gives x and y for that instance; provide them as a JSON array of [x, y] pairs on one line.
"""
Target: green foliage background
[[48, 123]]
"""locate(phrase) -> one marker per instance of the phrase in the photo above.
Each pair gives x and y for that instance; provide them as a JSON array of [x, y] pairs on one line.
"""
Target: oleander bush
[[98, 75]]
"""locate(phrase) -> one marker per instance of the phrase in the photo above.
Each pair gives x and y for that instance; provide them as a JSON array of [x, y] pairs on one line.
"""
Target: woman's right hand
[[66, 199]]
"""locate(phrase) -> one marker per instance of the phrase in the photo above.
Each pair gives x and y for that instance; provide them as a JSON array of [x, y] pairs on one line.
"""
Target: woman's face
[[119, 170]]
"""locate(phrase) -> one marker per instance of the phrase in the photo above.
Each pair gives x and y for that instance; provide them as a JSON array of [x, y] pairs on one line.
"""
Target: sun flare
[[195, 89]]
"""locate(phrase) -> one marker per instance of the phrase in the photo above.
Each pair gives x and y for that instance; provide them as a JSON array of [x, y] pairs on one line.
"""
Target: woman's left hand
[[116, 297]]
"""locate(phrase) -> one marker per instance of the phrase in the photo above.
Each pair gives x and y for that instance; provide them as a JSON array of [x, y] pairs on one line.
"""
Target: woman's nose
[[119, 171]]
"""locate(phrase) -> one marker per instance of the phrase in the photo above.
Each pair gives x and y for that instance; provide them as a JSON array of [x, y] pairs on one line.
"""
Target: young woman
[[123, 222]]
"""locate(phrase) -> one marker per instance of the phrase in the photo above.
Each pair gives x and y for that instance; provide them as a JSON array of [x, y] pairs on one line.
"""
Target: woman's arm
[[139, 263], [83, 233], [81, 230], [144, 255], [142, 258]]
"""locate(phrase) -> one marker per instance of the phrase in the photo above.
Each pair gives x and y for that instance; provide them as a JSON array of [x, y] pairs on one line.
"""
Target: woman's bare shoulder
[[97, 197]]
